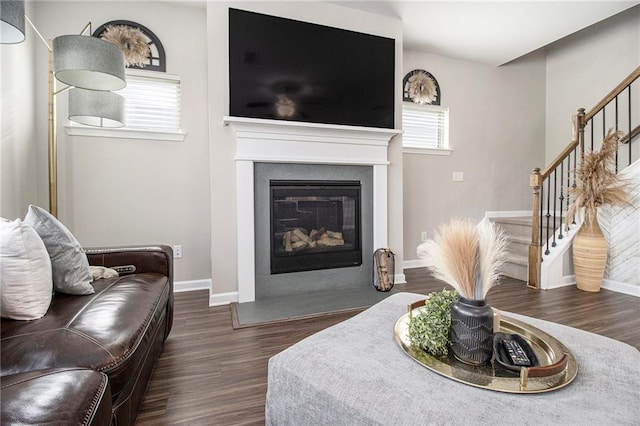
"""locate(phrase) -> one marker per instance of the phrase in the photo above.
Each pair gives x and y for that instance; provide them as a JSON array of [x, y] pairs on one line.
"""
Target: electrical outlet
[[458, 176], [177, 252], [424, 236]]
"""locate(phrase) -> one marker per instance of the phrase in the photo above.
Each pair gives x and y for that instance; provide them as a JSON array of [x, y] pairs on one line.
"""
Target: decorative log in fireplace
[[314, 225]]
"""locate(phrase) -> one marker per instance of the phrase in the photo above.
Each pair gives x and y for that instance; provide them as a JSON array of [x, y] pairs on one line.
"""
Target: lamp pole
[[53, 143], [51, 133]]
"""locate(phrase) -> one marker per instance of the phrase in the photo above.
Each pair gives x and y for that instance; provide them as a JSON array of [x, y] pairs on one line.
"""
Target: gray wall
[[18, 143], [497, 133], [583, 68], [120, 191]]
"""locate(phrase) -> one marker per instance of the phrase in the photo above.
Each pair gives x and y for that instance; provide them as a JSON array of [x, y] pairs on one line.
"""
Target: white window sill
[[125, 133], [427, 151]]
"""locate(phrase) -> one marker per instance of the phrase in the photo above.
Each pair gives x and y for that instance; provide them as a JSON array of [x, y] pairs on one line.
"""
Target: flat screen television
[[291, 70]]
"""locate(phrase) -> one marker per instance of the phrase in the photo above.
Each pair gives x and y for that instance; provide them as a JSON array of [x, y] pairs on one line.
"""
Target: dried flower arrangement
[[422, 88], [597, 182], [131, 41], [466, 257]]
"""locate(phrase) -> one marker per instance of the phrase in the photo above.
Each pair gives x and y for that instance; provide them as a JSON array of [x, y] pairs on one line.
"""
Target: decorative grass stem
[[465, 256]]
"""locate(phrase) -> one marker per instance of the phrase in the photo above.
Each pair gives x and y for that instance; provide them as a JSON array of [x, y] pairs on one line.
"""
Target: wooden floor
[[211, 374]]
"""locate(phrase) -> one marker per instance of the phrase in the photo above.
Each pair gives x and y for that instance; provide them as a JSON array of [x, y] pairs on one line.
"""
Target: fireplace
[[314, 225], [273, 150]]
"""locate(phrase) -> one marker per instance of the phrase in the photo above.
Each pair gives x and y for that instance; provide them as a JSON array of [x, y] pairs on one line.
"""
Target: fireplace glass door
[[314, 225]]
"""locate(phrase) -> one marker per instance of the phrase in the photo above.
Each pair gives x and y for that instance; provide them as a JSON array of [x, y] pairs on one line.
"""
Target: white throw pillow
[[26, 285], [69, 263]]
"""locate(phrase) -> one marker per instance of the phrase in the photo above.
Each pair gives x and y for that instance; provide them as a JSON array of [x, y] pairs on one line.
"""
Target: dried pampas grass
[[422, 88], [597, 182], [131, 41], [467, 257], [452, 255], [493, 255]]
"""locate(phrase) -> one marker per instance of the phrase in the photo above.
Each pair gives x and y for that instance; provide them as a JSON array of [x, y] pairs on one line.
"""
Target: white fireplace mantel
[[278, 141]]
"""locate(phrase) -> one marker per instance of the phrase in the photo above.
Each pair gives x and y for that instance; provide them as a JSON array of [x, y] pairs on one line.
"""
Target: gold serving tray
[[557, 365]]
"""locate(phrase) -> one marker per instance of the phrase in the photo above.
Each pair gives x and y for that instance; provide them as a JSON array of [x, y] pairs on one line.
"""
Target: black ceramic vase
[[471, 331]]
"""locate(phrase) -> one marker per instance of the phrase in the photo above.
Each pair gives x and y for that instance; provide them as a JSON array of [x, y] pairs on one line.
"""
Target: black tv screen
[[291, 70]]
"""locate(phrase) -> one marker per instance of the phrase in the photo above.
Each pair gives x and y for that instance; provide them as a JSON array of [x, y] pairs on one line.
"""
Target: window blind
[[425, 126], [152, 102]]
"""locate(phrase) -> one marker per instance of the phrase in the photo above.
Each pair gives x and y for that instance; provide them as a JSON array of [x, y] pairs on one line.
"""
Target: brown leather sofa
[[89, 359]]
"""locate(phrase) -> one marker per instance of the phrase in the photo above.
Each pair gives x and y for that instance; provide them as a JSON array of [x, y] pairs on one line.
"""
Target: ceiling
[[494, 32], [490, 32]]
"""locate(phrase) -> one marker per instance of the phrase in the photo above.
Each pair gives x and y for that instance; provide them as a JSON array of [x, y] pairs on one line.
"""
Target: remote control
[[516, 353]]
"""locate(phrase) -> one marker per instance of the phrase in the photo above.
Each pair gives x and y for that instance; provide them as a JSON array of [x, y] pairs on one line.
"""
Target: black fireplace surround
[[314, 225]]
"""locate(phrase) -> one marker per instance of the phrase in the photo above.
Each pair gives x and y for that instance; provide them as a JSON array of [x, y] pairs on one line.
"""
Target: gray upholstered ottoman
[[354, 373]]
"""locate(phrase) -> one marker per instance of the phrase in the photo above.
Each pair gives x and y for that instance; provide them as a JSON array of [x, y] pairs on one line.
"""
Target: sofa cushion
[[56, 396], [25, 272], [69, 263], [109, 331]]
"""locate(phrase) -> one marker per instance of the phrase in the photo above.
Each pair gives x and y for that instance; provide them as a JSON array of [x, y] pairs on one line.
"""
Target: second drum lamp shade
[[96, 108], [88, 62]]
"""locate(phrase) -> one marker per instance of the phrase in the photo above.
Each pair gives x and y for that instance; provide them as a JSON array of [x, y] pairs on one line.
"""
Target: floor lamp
[[90, 67]]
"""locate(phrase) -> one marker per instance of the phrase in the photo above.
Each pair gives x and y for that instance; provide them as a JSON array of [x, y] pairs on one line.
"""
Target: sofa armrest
[[158, 258]]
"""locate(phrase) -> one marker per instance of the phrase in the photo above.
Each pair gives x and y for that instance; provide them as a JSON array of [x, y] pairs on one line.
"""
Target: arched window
[[152, 97], [420, 83], [156, 60], [425, 124]]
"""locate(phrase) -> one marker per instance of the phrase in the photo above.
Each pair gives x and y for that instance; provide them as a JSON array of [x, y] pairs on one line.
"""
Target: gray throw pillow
[[69, 263]]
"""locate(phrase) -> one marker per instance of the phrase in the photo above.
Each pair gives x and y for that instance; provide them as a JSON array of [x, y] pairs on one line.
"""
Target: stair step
[[518, 260], [523, 220], [519, 240], [519, 228], [518, 232], [516, 270], [517, 220]]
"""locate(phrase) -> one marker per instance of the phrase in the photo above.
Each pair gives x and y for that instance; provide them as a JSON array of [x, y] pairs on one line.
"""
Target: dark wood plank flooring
[[211, 374]]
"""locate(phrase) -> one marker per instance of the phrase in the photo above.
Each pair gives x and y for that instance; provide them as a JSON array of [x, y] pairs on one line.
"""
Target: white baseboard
[[218, 299], [215, 299], [567, 280], [514, 213], [630, 289], [181, 286], [415, 263], [399, 279], [617, 286]]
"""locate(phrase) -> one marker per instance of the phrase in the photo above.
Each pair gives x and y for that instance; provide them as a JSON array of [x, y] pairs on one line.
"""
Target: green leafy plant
[[429, 329]]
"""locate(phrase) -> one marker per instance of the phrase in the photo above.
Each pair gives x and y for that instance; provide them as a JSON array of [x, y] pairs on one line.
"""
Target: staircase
[[548, 250], [518, 232]]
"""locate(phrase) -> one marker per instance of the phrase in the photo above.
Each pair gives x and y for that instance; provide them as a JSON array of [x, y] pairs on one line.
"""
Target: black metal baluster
[[561, 198], [569, 177], [540, 217], [573, 184], [555, 192], [548, 214]]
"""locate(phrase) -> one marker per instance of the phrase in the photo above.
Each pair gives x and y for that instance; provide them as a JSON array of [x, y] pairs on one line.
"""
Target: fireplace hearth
[[314, 225]]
